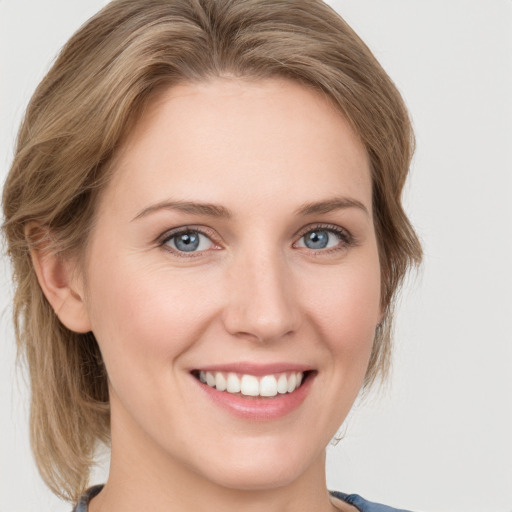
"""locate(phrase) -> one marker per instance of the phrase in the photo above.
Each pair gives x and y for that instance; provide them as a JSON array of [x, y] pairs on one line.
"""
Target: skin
[[254, 292]]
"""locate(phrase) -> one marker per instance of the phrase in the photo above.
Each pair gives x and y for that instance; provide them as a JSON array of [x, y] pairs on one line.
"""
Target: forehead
[[233, 140]]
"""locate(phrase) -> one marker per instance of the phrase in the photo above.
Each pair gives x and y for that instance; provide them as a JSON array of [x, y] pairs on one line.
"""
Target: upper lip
[[256, 369]]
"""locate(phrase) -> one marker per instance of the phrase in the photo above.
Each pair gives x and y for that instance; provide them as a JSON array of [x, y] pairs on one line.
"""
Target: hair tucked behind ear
[[76, 120]]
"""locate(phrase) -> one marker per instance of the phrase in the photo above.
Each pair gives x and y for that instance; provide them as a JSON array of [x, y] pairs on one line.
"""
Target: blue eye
[[189, 241], [318, 239]]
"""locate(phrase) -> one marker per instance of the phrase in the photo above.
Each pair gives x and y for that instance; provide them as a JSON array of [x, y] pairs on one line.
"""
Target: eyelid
[[328, 227], [202, 230], [345, 236]]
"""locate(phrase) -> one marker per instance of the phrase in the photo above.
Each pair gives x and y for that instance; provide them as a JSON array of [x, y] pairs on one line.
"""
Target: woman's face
[[235, 244]]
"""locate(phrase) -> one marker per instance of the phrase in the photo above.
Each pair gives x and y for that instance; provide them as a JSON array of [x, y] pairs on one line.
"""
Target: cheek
[[148, 318], [345, 304]]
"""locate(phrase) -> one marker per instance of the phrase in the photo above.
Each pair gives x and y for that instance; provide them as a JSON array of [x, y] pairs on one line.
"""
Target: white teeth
[[282, 384], [233, 384], [250, 385], [210, 379], [220, 382], [268, 386], [292, 381]]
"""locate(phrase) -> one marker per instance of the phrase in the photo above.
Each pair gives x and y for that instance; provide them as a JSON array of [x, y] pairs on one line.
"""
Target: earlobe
[[61, 286]]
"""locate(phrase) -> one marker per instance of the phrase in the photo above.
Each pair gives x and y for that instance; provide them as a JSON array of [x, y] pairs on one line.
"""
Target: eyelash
[[169, 235], [345, 237]]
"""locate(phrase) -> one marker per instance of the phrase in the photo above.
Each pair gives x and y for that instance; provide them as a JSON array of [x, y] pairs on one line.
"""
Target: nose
[[262, 303]]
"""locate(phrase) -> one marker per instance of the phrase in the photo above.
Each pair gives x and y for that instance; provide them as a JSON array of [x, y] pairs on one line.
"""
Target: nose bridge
[[262, 303]]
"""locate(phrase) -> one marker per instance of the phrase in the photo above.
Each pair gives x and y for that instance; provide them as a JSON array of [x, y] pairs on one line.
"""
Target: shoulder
[[364, 505]]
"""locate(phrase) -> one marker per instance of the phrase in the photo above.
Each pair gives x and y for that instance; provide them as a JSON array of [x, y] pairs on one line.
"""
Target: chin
[[257, 478], [271, 466]]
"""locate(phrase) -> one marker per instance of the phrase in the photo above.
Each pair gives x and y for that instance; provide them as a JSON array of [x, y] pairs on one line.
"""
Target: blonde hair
[[76, 120]]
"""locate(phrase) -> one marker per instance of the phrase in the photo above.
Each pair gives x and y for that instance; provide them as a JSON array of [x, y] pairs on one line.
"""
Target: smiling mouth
[[251, 386]]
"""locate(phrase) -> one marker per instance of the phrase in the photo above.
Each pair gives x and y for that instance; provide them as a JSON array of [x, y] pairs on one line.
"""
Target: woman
[[204, 220]]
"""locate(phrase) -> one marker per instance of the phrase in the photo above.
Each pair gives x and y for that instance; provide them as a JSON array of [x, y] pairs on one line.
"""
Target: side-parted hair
[[77, 119]]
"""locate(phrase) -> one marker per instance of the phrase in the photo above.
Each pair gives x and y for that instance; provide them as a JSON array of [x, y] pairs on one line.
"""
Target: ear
[[62, 286]]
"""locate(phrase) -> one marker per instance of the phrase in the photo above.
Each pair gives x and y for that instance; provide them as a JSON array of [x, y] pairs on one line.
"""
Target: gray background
[[438, 437]]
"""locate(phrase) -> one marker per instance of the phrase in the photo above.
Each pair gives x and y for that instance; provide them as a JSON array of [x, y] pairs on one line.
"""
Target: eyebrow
[[330, 205], [211, 210], [215, 210]]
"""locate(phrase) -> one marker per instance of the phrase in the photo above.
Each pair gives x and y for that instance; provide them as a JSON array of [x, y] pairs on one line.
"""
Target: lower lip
[[258, 408]]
